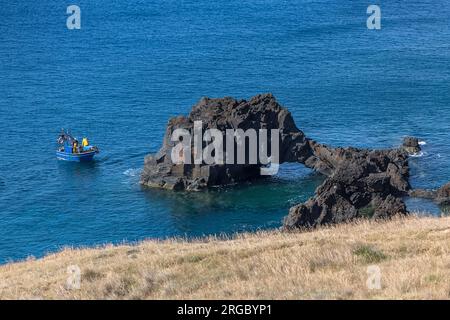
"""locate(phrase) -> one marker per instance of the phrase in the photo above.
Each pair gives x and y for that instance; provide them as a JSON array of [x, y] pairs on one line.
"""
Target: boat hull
[[75, 157]]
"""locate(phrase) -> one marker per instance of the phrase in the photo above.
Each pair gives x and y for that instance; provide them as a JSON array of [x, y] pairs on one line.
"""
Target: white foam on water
[[422, 143], [417, 155], [132, 172]]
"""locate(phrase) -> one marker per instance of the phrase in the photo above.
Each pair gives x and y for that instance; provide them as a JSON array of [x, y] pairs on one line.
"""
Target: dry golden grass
[[329, 263]]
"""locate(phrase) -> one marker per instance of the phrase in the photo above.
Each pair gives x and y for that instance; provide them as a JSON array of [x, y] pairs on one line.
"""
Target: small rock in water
[[411, 145]]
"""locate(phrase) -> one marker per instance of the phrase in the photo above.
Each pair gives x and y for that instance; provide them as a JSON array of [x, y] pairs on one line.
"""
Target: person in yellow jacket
[[85, 142], [75, 147]]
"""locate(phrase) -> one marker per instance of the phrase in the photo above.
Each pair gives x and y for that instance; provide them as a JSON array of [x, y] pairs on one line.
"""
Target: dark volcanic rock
[[360, 183], [411, 145], [357, 188], [441, 196], [260, 112]]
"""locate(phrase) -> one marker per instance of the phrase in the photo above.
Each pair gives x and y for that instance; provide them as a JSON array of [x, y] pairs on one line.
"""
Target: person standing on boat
[[75, 146], [84, 142]]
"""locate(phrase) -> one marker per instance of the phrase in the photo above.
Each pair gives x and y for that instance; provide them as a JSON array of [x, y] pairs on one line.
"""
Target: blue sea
[[134, 64]]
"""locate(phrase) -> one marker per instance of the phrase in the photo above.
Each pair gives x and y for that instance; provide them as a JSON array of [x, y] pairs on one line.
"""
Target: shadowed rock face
[[361, 182]]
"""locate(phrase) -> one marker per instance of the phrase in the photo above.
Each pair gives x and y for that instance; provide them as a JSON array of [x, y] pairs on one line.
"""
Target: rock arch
[[360, 182]]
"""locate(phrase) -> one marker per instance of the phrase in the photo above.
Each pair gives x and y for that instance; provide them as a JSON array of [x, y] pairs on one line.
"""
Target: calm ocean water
[[134, 64]]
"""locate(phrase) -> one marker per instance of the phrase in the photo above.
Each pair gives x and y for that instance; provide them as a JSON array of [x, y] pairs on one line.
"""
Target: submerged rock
[[360, 183]]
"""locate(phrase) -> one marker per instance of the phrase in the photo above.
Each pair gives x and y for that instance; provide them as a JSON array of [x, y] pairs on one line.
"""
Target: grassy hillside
[[413, 255]]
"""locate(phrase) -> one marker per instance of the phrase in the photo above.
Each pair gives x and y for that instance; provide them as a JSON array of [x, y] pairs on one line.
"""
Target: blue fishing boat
[[69, 148]]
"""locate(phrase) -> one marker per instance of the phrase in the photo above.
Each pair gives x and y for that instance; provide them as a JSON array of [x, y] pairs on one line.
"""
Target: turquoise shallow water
[[134, 64]]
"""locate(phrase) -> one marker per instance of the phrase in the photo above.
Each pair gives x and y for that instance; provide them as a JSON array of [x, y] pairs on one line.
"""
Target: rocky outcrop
[[411, 145], [261, 112], [367, 184], [441, 196], [360, 182]]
